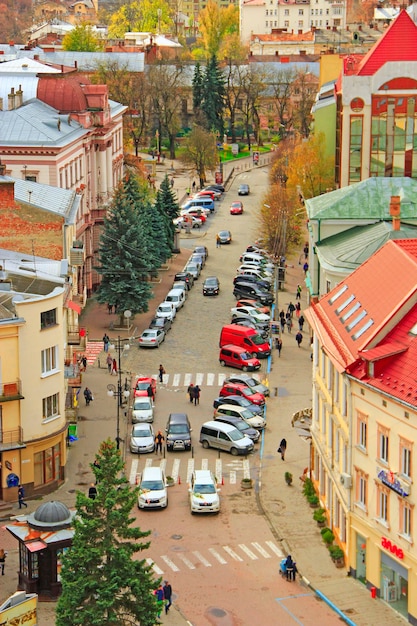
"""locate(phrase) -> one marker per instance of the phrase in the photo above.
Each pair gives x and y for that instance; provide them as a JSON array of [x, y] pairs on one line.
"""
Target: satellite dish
[[127, 314]]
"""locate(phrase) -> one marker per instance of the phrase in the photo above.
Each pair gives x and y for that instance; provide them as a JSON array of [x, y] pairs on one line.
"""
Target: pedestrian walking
[[290, 568], [278, 345], [172, 182], [194, 186], [282, 448], [109, 362], [298, 309], [88, 396], [106, 341], [217, 241], [291, 309], [301, 321], [196, 394], [83, 363], [114, 367], [299, 338], [150, 392], [159, 438], [282, 320], [20, 497], [306, 250], [305, 267], [159, 593], [161, 373], [298, 294], [190, 392], [3, 555], [288, 321], [110, 309], [188, 191], [167, 595], [92, 491]]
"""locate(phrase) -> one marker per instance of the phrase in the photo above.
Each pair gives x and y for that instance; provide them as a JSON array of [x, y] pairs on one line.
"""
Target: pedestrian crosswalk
[[92, 350], [172, 467], [210, 379], [220, 555]]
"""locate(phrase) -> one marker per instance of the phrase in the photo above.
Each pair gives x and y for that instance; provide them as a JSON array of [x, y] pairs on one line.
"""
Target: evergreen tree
[[198, 88], [214, 97], [101, 583], [125, 262], [167, 207]]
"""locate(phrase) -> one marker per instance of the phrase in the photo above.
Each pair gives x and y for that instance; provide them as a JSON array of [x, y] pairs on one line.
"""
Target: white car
[[204, 493], [265, 271], [151, 338], [142, 439], [142, 410], [166, 309], [256, 421], [257, 274], [182, 221], [194, 270], [196, 210], [252, 313]]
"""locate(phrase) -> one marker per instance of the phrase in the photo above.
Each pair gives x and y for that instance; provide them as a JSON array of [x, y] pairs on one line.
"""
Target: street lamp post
[[112, 390]]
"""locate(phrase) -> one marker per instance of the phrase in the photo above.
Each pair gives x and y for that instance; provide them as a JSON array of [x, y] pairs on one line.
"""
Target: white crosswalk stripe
[[170, 563], [186, 561], [246, 550], [155, 568], [190, 469], [202, 379], [260, 549], [217, 556], [274, 548], [232, 553], [133, 472], [201, 558]]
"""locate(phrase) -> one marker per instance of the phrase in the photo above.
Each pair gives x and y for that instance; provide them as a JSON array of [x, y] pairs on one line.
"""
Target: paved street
[[212, 563]]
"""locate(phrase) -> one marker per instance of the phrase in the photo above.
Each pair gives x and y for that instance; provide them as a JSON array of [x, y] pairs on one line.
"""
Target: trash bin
[[73, 432], [373, 592]]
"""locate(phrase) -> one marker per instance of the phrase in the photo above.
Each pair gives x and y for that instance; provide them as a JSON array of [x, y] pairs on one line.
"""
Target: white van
[[225, 437], [153, 489], [166, 309], [177, 297]]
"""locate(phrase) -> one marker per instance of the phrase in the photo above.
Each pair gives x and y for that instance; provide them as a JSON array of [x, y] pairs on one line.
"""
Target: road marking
[[217, 556], [186, 561], [175, 469], [246, 469], [133, 471], [231, 553], [210, 380], [232, 476], [274, 548], [201, 558], [155, 568], [204, 464], [176, 380], [170, 563], [187, 380], [163, 465], [199, 379], [246, 550], [219, 471], [148, 462], [190, 469], [222, 378], [260, 549]]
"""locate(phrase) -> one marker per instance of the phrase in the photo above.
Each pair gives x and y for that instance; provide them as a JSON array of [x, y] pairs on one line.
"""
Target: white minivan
[[177, 297], [225, 437], [166, 309], [153, 489]]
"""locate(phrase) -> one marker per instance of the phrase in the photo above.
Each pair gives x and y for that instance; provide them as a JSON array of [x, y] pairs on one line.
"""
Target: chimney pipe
[[395, 211], [12, 99]]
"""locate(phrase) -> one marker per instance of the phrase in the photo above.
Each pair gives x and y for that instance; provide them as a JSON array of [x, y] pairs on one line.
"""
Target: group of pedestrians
[[194, 393], [163, 597], [111, 365]]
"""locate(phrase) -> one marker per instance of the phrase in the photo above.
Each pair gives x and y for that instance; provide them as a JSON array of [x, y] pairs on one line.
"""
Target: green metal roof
[[368, 199]]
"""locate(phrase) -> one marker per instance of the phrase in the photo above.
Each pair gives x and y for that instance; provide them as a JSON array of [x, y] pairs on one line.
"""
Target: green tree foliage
[[101, 583], [140, 16], [215, 23], [82, 39], [200, 152], [124, 252], [281, 220], [309, 170], [214, 97], [198, 93], [167, 208]]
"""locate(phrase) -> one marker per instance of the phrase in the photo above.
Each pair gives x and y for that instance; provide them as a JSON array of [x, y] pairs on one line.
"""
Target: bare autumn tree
[[253, 87], [279, 86], [303, 89], [200, 153], [281, 220]]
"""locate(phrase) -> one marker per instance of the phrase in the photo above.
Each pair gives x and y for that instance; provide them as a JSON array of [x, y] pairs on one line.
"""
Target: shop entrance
[[394, 585]]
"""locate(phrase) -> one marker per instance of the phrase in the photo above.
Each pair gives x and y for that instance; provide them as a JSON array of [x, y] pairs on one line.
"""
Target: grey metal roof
[[63, 202], [352, 247], [29, 84], [88, 61], [36, 124], [367, 200]]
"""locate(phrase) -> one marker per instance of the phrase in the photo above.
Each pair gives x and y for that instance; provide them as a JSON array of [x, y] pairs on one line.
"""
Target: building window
[[31, 177], [300, 23], [406, 448], [49, 359], [382, 504], [406, 519], [286, 24], [48, 318], [362, 431], [343, 404], [355, 149], [336, 385], [286, 11], [300, 11], [361, 496], [50, 406], [47, 465], [383, 440]]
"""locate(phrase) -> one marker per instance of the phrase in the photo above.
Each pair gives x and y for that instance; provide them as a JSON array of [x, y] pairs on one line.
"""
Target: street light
[[122, 394]]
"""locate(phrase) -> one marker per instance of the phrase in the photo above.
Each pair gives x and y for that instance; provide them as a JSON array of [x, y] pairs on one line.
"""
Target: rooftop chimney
[[395, 211], [12, 99]]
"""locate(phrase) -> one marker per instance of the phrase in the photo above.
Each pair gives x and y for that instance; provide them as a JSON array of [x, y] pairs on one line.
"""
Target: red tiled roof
[[398, 43]]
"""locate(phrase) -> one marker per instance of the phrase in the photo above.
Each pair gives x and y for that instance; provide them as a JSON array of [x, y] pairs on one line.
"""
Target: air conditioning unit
[[346, 480], [77, 253]]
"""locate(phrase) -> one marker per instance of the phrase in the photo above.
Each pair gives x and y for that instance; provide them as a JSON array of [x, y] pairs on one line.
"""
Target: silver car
[[151, 338], [142, 439]]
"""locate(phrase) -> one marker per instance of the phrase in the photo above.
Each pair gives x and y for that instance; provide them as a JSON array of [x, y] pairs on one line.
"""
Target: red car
[[142, 384], [236, 208], [204, 194], [195, 213], [235, 389], [248, 302]]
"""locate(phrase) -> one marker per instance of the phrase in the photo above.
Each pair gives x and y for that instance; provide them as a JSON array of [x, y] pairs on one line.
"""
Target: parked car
[[236, 389], [239, 401], [251, 290], [142, 439], [195, 212], [201, 250], [217, 192], [184, 220], [203, 202], [182, 286], [163, 323], [250, 381], [249, 302], [252, 313], [177, 297], [243, 190], [236, 208], [186, 277], [198, 258], [142, 410], [246, 278], [256, 421], [211, 286], [153, 489], [178, 432], [166, 309], [265, 270], [194, 269], [205, 193], [234, 356], [240, 424], [225, 236], [218, 186], [141, 387], [151, 338], [204, 492], [248, 323], [247, 338], [216, 434], [257, 274]]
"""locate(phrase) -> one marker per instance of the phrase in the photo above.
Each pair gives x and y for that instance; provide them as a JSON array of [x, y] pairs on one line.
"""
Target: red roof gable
[[360, 311], [398, 43]]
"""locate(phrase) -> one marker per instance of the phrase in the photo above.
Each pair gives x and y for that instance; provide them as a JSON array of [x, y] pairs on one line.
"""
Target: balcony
[[11, 391], [11, 439], [72, 374]]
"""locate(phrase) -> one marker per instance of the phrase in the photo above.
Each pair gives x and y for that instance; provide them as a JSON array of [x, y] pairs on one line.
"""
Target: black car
[[239, 401], [243, 190], [211, 286], [241, 425], [178, 432], [216, 186], [186, 277], [261, 329], [247, 278], [252, 291], [224, 236], [162, 323]]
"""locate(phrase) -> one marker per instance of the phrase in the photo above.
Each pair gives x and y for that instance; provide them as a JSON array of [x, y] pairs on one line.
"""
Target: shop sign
[[388, 545], [389, 479]]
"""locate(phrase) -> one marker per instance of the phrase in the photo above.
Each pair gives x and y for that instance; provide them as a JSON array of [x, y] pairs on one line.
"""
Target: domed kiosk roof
[[52, 515]]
